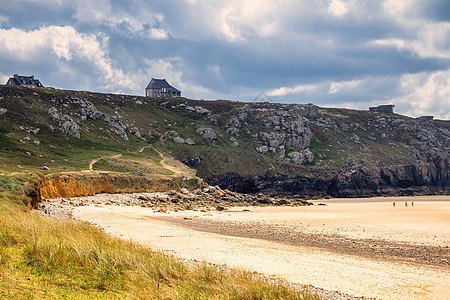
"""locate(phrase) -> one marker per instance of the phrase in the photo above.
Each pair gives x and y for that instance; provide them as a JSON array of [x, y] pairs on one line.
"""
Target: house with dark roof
[[28, 81], [160, 88]]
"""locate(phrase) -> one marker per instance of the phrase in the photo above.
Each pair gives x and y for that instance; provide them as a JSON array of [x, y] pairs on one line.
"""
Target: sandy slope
[[427, 223]]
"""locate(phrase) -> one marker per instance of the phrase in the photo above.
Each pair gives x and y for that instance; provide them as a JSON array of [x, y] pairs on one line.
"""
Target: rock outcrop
[[206, 133], [431, 177], [65, 123]]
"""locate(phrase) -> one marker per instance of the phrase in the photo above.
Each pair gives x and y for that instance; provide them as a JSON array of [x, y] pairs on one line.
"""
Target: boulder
[[53, 112], [69, 126], [178, 140], [189, 142], [193, 162], [301, 158], [184, 191], [3, 111], [206, 133], [233, 131], [262, 149]]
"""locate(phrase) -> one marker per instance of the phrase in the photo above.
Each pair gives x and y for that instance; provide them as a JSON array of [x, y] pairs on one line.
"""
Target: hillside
[[247, 147]]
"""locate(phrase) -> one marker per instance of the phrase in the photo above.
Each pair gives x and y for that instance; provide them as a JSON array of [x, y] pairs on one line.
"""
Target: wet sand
[[261, 239]]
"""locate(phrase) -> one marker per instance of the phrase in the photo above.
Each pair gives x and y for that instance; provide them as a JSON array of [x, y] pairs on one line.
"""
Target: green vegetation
[[48, 258]]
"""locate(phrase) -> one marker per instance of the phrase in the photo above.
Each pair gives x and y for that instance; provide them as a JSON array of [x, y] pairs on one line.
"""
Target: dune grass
[[46, 258]]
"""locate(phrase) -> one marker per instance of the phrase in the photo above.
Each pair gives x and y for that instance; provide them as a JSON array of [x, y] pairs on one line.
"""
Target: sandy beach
[[362, 247]]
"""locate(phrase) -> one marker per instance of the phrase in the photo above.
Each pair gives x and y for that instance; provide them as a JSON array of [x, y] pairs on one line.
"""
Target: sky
[[333, 53]]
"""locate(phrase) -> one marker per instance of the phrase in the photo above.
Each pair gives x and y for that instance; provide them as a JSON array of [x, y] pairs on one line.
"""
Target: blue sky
[[334, 53]]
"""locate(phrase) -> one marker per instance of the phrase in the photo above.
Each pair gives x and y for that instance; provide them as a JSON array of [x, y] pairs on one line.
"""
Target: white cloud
[[144, 24], [338, 8], [158, 34], [396, 7], [88, 11], [62, 43], [282, 91], [426, 39], [431, 41], [425, 94], [236, 20], [336, 87], [4, 78]]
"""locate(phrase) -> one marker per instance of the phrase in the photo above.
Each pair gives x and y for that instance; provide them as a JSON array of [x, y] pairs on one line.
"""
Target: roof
[[25, 80], [158, 83], [175, 90]]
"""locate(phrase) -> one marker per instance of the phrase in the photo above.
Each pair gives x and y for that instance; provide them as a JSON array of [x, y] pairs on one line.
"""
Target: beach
[[362, 247]]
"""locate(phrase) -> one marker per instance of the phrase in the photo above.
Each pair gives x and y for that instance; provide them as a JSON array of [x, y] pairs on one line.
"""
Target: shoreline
[[346, 263], [369, 248]]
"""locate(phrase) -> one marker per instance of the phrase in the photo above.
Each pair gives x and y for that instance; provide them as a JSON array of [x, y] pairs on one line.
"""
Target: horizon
[[334, 53], [231, 100]]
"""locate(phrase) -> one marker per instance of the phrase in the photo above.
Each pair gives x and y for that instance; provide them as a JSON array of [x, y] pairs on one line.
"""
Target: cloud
[[63, 43], [135, 20], [336, 87], [338, 8], [420, 36], [3, 19], [425, 94], [337, 52], [431, 41], [283, 91], [4, 78], [92, 11]]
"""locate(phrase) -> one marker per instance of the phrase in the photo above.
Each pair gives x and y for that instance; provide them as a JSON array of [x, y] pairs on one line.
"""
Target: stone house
[[160, 88], [28, 81], [389, 108]]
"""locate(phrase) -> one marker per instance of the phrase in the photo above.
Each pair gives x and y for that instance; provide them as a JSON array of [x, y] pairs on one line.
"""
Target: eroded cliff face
[[76, 186], [431, 177]]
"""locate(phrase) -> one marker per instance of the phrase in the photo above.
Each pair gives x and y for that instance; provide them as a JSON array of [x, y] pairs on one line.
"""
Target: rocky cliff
[[279, 149]]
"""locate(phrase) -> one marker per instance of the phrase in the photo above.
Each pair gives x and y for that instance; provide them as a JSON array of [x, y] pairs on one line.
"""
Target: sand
[[425, 224]]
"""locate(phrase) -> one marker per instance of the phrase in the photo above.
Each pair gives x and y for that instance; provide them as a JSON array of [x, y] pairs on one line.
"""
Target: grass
[[46, 258]]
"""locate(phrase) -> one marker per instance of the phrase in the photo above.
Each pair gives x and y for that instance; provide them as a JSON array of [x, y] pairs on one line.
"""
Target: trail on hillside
[[175, 166], [92, 162], [142, 148]]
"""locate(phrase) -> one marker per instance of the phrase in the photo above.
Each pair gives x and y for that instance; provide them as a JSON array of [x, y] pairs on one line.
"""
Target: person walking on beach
[[393, 204], [412, 204], [406, 203]]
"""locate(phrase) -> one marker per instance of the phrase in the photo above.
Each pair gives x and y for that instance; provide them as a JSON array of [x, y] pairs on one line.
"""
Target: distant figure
[[393, 204], [412, 204], [406, 203]]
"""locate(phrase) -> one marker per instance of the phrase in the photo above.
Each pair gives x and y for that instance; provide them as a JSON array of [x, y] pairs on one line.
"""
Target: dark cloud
[[30, 15], [436, 10], [364, 51]]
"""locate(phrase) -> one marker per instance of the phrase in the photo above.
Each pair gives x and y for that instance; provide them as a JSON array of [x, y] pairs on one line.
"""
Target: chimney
[[32, 77], [16, 76]]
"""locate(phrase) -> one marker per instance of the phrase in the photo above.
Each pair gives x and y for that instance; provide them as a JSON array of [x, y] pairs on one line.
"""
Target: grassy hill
[[49, 131]]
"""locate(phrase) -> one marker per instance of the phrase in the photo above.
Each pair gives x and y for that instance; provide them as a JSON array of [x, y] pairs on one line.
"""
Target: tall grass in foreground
[[42, 257]]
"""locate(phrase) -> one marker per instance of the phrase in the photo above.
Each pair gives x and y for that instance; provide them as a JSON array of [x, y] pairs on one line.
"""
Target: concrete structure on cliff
[[389, 108]]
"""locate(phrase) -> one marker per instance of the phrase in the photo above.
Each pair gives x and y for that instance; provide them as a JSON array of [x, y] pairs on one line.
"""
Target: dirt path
[[175, 166], [142, 148], [332, 270], [92, 162]]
